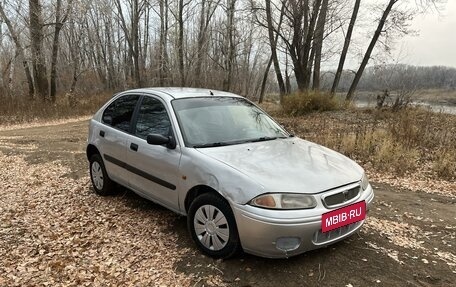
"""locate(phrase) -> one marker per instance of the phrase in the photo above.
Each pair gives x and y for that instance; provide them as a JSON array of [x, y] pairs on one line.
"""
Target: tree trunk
[[207, 11], [55, 47], [180, 43], [310, 63], [20, 52], [318, 44], [273, 44], [136, 13], [307, 53], [163, 47], [230, 45], [200, 43], [55, 50], [343, 54], [264, 81], [36, 38], [132, 38], [359, 73], [112, 75], [145, 47], [74, 40]]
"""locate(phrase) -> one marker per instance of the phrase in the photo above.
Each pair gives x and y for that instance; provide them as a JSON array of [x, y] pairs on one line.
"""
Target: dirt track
[[54, 229]]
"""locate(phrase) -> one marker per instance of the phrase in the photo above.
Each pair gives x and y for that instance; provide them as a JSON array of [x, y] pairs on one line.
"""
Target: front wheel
[[212, 225]]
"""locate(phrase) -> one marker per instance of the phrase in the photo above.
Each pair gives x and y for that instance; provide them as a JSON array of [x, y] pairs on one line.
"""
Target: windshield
[[217, 121]]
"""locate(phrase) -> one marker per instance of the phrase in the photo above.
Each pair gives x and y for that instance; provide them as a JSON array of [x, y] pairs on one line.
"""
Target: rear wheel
[[212, 225], [101, 183]]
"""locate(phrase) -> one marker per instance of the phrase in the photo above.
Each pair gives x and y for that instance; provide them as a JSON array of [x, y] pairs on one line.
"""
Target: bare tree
[[273, 43], [163, 45], [318, 44], [19, 51], [343, 54], [180, 40], [38, 60], [298, 38], [230, 44], [273, 46], [59, 22], [367, 55], [132, 34], [208, 9], [397, 22]]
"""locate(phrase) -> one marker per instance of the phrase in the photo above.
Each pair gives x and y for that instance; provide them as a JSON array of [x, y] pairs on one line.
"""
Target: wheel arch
[[196, 191], [91, 150]]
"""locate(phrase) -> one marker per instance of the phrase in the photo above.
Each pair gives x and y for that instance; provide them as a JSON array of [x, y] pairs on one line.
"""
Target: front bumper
[[261, 230]]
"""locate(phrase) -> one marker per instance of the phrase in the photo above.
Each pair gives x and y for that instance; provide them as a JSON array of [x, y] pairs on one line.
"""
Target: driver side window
[[152, 119]]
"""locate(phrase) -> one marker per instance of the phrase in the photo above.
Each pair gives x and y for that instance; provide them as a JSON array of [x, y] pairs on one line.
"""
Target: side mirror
[[156, 139]]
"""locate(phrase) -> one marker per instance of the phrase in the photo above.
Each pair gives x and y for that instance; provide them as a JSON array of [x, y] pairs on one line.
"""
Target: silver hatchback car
[[240, 178]]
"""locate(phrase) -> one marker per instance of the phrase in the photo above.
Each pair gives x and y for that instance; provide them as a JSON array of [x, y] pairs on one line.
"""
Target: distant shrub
[[303, 103]]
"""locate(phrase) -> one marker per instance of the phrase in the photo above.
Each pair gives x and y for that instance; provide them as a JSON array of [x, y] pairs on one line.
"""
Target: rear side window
[[152, 119], [119, 113]]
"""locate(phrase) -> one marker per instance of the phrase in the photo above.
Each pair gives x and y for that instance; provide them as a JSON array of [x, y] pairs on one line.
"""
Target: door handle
[[134, 147], [102, 134]]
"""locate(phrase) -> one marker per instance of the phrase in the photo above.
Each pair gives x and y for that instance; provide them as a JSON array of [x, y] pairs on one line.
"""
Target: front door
[[154, 169]]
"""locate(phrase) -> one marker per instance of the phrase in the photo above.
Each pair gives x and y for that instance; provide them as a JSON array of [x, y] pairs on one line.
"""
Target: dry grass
[[400, 143], [22, 110], [445, 164]]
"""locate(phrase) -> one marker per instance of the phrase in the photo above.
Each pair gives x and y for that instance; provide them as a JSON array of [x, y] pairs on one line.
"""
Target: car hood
[[288, 165]]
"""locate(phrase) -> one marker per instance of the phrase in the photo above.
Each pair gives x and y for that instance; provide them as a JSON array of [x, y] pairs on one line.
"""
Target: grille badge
[[345, 192]]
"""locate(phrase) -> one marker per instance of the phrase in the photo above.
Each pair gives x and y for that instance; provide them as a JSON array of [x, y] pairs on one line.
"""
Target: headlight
[[284, 201], [364, 182]]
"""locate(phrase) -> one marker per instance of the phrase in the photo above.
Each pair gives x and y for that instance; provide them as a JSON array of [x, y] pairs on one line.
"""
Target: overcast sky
[[436, 42]]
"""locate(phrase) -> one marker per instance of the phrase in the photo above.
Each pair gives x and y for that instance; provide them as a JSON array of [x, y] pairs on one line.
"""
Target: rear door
[[153, 169], [117, 120]]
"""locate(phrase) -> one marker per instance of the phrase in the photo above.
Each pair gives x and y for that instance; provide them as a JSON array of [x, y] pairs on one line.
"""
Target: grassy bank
[[401, 143]]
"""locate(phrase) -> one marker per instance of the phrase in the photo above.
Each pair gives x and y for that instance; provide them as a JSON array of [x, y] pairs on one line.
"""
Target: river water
[[439, 108]]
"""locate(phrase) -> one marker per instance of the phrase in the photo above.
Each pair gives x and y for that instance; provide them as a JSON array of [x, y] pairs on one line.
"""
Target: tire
[[101, 182], [212, 226]]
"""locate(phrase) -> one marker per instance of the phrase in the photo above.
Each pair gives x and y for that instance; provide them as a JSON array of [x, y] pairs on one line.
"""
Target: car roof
[[178, 93]]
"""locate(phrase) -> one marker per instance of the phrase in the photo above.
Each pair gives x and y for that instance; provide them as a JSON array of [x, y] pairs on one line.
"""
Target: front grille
[[321, 238], [341, 197]]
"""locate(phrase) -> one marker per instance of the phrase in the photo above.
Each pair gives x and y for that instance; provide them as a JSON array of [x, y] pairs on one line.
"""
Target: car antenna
[[211, 93]]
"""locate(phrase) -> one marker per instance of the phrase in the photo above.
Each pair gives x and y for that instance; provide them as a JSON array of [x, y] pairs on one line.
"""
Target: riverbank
[[409, 144], [442, 100]]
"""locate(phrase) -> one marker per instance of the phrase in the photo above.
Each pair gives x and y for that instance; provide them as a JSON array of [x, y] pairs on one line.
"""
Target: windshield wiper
[[216, 144], [263, 139], [211, 144]]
